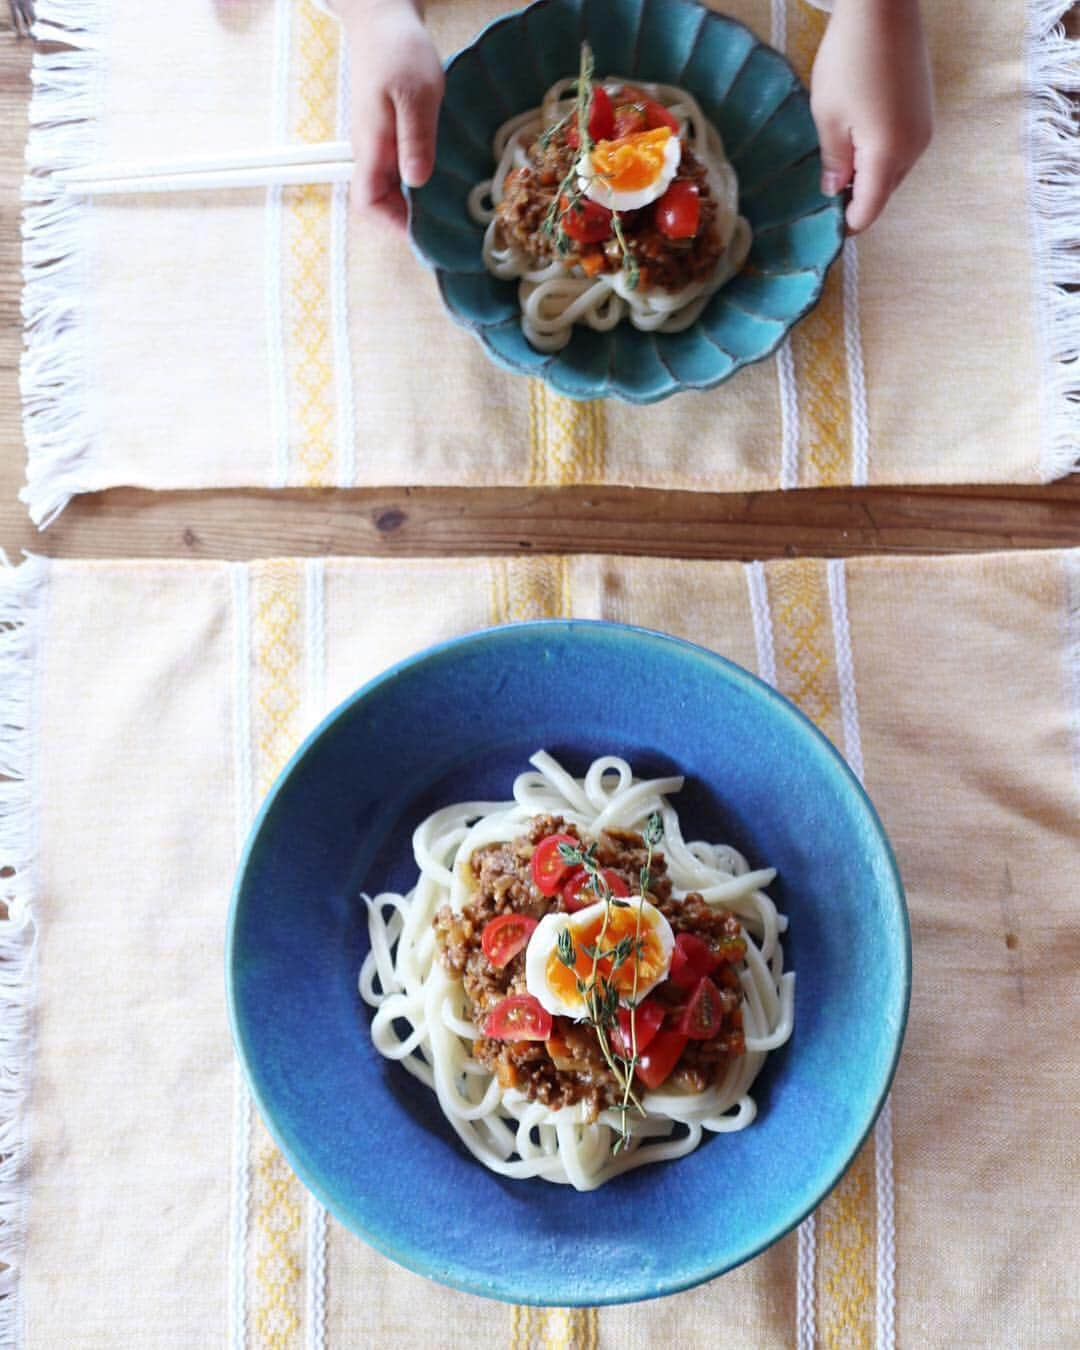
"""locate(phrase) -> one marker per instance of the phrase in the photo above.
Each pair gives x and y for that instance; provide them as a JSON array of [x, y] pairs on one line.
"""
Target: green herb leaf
[[623, 950], [654, 829], [569, 854], [567, 951]]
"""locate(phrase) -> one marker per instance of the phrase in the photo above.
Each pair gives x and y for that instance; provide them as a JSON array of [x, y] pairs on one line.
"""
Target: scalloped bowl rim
[[414, 1258], [606, 390]]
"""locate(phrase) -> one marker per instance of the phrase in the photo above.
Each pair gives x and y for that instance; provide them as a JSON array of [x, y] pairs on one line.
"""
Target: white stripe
[[845, 668], [778, 35], [339, 293], [1072, 651], [759, 611], [789, 416], [242, 812], [885, 1283], [315, 1289], [805, 1308], [885, 1291], [275, 224], [860, 424], [314, 701], [805, 1314]]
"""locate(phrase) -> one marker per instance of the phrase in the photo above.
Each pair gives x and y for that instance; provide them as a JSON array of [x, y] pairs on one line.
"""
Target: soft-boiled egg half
[[629, 173], [554, 984]]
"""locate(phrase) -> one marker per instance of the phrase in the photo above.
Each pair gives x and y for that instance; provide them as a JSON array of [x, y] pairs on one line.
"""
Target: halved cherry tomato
[[648, 1016], [703, 958], [656, 1064], [629, 120], [577, 893], [704, 1015], [656, 115], [518, 1018], [651, 114], [585, 222], [505, 936], [549, 870], [690, 960], [601, 118], [678, 212]]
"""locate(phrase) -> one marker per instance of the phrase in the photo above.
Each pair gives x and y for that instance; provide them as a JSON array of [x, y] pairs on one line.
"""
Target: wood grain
[[131, 523]]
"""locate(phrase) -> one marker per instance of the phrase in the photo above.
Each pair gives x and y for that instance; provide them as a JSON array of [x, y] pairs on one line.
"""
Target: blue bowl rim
[[460, 1277], [543, 371]]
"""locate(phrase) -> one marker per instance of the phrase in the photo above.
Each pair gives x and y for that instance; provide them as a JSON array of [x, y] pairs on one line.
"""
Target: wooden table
[[127, 522]]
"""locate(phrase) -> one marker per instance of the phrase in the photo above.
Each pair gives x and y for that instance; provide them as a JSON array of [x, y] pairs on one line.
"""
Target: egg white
[[597, 190], [545, 940]]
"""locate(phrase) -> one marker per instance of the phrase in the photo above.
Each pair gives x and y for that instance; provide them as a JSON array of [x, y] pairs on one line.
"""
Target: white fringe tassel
[[1053, 166], [64, 128], [20, 589]]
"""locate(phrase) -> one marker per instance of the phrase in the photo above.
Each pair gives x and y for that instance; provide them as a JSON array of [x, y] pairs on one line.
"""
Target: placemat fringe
[[1053, 167], [20, 588], [63, 132]]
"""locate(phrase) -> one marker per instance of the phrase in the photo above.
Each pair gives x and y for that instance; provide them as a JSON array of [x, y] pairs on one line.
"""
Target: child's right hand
[[397, 87]]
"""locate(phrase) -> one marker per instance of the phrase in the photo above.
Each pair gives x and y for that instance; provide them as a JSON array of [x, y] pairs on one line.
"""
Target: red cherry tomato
[[577, 893], [585, 222], [656, 115], [656, 1064], [601, 118], [648, 1016], [691, 960], [549, 870], [704, 1015], [678, 212], [505, 936], [518, 1018], [703, 958], [629, 120]]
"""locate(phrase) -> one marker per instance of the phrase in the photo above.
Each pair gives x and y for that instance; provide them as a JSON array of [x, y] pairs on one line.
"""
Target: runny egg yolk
[[632, 162], [652, 961]]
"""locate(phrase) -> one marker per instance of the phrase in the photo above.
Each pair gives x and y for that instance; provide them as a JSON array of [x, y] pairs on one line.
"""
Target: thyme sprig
[[601, 994], [570, 187]]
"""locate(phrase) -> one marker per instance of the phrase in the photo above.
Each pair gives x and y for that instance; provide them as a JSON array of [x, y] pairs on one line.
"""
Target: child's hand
[[397, 86], [871, 98]]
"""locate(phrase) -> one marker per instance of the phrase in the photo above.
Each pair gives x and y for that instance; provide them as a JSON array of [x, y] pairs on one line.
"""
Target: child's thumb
[[417, 110], [837, 158]]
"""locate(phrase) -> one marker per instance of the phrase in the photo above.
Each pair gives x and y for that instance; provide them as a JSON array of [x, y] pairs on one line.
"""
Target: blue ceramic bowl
[[762, 112], [459, 722]]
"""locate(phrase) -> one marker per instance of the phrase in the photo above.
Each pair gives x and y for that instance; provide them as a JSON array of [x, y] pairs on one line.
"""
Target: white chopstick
[[323, 162]]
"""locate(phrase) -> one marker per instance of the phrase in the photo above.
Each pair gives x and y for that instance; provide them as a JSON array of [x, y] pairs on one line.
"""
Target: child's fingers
[[417, 108], [375, 185], [875, 179], [392, 209], [837, 157]]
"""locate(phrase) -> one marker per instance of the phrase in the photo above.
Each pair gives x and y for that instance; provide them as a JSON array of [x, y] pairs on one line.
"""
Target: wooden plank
[[139, 524]]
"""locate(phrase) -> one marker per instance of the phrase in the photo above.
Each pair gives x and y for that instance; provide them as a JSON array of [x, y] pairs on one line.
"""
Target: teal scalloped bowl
[[754, 99]]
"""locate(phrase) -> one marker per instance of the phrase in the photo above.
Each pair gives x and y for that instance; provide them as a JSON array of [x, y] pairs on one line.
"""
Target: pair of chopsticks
[[324, 162]]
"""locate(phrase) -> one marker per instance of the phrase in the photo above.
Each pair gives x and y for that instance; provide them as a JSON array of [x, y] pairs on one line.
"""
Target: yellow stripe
[[276, 1244], [817, 343], [567, 439], [803, 642], [529, 588], [306, 253]]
